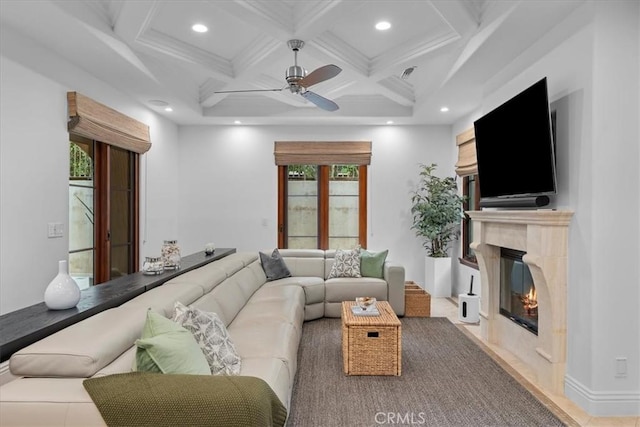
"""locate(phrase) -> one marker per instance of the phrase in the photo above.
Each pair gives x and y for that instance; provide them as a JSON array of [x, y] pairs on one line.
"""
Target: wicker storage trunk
[[417, 301], [371, 345]]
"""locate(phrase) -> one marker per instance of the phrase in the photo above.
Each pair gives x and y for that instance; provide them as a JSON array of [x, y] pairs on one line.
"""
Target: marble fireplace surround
[[543, 235]]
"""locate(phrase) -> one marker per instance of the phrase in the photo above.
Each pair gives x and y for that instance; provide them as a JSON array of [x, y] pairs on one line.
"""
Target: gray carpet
[[447, 380]]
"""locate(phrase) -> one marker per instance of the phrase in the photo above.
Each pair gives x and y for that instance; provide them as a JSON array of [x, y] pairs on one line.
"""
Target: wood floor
[[448, 308]]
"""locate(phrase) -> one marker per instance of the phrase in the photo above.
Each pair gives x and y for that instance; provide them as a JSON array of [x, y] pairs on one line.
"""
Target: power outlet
[[621, 367], [55, 229]]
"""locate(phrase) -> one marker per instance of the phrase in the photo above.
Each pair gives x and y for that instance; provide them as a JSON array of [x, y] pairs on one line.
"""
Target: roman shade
[[322, 152], [467, 163], [93, 120]]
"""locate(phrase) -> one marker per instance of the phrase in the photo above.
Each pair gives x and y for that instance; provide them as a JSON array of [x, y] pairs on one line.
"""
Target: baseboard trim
[[602, 403]]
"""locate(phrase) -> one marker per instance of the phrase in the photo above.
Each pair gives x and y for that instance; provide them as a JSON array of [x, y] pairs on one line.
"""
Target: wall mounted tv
[[515, 151]]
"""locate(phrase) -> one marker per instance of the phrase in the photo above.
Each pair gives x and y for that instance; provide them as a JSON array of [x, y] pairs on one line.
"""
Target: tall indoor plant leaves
[[437, 211]]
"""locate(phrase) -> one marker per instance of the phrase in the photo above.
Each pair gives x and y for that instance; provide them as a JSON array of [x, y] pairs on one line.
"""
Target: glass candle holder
[[171, 255], [153, 265]]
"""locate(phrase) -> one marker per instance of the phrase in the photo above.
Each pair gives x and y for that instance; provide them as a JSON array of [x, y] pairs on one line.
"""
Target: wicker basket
[[371, 345], [417, 302]]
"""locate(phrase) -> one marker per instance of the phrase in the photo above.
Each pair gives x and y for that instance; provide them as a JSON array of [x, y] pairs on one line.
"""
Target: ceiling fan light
[[294, 74]]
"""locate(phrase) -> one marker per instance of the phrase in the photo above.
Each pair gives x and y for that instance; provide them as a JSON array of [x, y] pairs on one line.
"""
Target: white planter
[[437, 276]]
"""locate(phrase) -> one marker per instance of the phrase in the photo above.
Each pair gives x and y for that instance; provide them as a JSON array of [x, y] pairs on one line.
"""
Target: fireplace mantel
[[543, 235]]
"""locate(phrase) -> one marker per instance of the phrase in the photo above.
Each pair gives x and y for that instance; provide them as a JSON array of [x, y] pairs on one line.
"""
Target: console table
[[23, 327]]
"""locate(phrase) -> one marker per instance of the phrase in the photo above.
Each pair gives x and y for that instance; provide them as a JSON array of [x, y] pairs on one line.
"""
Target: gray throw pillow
[[274, 266]]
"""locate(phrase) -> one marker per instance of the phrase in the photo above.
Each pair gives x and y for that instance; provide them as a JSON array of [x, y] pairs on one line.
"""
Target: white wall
[[591, 75], [228, 184], [615, 214], [34, 166]]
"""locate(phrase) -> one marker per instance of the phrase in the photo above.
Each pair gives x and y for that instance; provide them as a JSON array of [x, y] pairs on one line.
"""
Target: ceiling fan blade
[[320, 101], [249, 90], [319, 75]]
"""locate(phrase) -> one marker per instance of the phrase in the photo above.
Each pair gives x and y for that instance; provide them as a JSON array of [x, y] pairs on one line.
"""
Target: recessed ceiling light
[[169, 109], [237, 122], [444, 109], [199, 28], [389, 122], [383, 25]]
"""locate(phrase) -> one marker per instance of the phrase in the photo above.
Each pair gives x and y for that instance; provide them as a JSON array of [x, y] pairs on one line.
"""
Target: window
[[322, 193], [81, 210], [103, 211], [470, 189], [322, 206], [467, 168], [103, 190]]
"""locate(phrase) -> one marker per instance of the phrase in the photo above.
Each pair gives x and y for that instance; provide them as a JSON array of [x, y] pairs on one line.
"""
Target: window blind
[[93, 120], [322, 152], [467, 163]]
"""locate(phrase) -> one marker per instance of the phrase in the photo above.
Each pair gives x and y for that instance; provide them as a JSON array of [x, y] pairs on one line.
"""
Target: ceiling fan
[[298, 80]]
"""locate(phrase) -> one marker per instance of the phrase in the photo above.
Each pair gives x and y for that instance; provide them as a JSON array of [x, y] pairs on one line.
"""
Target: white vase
[[63, 292], [437, 280]]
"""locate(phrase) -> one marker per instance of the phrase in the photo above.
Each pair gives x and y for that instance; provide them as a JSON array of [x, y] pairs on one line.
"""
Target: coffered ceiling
[[148, 50]]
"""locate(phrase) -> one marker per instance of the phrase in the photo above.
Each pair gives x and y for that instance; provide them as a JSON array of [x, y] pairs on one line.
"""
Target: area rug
[[447, 380]]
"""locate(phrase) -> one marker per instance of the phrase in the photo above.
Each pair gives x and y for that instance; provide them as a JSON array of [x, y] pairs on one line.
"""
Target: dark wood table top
[[23, 327]]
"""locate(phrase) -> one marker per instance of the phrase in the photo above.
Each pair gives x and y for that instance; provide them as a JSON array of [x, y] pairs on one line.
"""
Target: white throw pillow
[[212, 336], [346, 264]]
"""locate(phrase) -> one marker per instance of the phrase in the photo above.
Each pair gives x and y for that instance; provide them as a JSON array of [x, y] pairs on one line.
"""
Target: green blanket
[[151, 399]]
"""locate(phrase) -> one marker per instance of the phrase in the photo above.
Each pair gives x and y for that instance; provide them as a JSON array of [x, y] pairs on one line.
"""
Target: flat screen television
[[515, 151]]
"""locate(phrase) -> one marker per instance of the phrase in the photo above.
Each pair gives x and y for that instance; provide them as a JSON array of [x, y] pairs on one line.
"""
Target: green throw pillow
[[372, 263], [169, 348]]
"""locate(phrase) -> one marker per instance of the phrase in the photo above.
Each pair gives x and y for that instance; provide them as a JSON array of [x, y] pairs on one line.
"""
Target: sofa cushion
[[347, 289], [272, 370], [48, 402], [273, 339], [305, 262], [82, 349], [372, 263], [274, 266], [162, 298], [274, 305], [313, 287], [212, 337], [169, 348], [346, 264], [229, 297], [122, 364]]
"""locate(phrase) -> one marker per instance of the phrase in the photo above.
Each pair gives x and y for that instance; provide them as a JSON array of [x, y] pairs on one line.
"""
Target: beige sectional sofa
[[264, 320]]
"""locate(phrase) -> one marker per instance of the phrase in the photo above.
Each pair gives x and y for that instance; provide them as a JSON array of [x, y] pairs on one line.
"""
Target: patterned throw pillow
[[346, 264], [274, 266], [211, 334]]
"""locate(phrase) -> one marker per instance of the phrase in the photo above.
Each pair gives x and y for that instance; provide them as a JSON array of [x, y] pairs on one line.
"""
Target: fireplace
[[518, 298], [539, 238]]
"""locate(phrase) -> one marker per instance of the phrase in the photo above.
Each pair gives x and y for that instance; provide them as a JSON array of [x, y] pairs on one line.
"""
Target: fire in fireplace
[[518, 300]]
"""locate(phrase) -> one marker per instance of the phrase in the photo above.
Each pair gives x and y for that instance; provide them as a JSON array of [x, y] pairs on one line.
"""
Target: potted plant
[[437, 213]]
